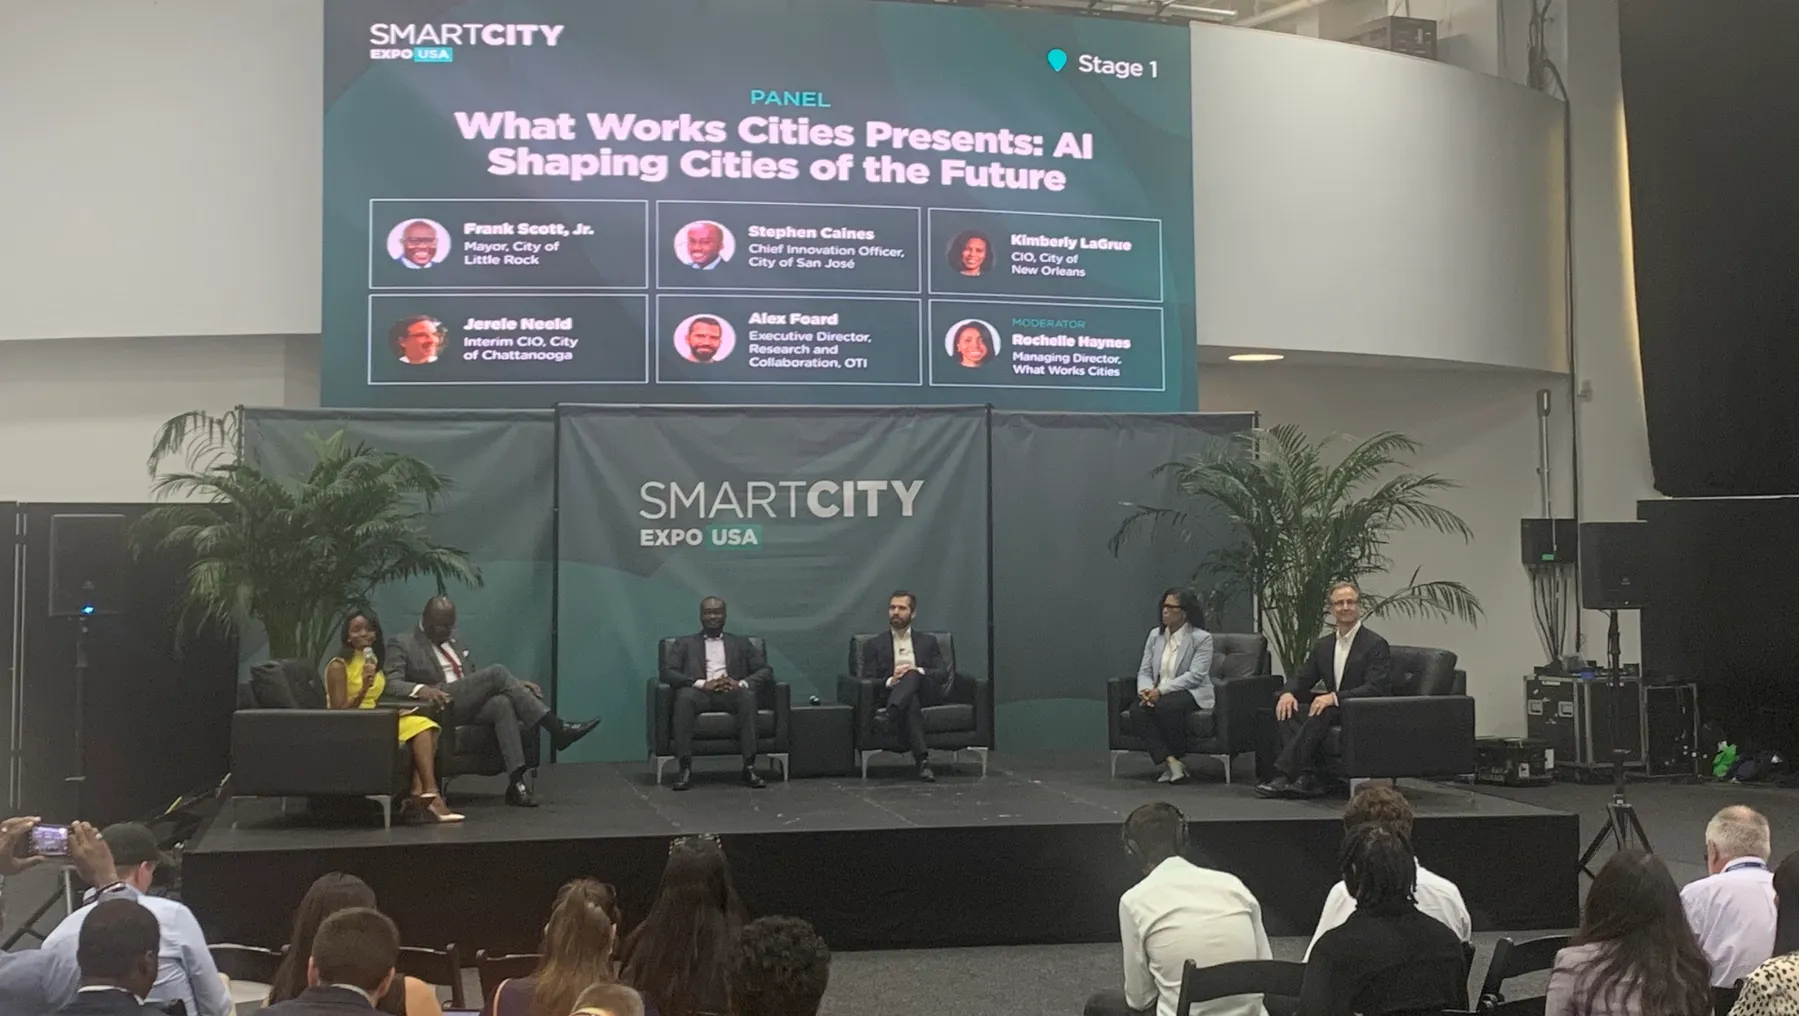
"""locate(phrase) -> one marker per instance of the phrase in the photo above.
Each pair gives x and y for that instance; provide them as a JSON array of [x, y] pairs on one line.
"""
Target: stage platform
[[1029, 853]]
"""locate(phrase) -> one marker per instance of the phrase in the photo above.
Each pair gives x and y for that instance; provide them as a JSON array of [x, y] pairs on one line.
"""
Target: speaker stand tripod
[[1621, 822]]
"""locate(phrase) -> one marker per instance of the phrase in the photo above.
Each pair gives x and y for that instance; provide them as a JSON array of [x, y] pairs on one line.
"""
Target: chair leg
[[982, 753], [864, 755], [661, 760], [1226, 759], [780, 759], [387, 809]]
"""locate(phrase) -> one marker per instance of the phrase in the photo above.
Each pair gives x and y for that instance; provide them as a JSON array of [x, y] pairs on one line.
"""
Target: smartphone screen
[[50, 840]]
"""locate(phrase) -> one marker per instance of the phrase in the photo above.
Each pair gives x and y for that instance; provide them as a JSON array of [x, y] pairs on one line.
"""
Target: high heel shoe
[[441, 813]]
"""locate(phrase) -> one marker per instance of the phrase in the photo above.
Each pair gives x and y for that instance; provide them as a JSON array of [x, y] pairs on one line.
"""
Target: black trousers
[[1303, 737], [691, 701], [907, 699], [1163, 726]]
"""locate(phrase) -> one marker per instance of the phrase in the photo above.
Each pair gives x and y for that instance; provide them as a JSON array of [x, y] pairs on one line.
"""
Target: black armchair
[[471, 749], [1425, 728], [291, 745], [716, 733], [963, 723], [1246, 689]]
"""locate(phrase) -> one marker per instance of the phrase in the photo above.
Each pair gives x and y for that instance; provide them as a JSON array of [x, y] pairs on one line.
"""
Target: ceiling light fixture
[[1256, 357]]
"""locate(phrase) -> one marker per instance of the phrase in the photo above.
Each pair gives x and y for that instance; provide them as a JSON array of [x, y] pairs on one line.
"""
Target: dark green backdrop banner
[[500, 511], [804, 519], [1067, 613]]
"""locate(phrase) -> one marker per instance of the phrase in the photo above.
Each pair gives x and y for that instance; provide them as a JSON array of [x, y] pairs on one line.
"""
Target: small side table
[[822, 740]]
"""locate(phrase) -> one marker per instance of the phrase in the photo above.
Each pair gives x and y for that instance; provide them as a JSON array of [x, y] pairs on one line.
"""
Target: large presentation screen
[[864, 202]]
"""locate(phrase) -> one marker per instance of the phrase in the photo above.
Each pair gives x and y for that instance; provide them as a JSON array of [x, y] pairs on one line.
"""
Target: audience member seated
[[916, 676], [1178, 912], [1634, 954], [1387, 956], [680, 957], [352, 965], [1173, 681], [782, 969], [1435, 895], [431, 664], [117, 953], [578, 946], [1351, 662], [334, 893], [1732, 910], [609, 1000], [34, 982], [1772, 989], [354, 680], [185, 971], [715, 671]]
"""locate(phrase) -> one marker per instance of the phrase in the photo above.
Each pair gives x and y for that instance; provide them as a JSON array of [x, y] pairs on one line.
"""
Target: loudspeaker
[[87, 564], [1613, 564]]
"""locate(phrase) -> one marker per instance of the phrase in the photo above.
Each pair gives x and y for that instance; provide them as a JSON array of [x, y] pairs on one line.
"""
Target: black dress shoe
[[752, 780], [684, 779], [519, 795], [1280, 786], [1308, 786], [568, 733], [924, 773]]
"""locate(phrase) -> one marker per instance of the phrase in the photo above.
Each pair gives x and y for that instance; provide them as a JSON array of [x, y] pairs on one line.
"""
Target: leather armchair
[[1425, 728], [715, 733], [471, 749], [1245, 687], [963, 723]]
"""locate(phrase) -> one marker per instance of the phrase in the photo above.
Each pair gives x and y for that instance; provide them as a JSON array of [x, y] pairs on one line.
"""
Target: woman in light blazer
[[1174, 680]]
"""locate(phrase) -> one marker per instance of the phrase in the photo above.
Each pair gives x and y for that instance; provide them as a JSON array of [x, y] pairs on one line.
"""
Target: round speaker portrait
[[704, 338], [971, 343], [418, 243], [704, 245]]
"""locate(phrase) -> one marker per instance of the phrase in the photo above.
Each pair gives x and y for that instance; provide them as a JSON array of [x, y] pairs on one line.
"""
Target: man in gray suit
[[428, 663]]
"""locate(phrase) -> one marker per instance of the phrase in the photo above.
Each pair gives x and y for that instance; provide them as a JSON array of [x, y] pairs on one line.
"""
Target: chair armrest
[[1239, 701], [658, 713], [983, 709], [1408, 735], [862, 694], [783, 696], [1118, 697], [313, 752], [415, 707], [1459, 685]]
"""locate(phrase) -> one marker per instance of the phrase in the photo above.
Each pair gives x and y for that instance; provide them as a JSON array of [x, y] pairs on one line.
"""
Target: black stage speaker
[[87, 564], [1613, 565]]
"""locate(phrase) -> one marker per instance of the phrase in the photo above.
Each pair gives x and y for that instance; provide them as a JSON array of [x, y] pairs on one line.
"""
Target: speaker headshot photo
[[704, 245], [971, 343], [971, 253], [704, 338], [417, 339], [419, 243]]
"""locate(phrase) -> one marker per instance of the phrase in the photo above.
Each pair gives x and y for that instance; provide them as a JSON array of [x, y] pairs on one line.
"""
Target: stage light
[[1256, 357]]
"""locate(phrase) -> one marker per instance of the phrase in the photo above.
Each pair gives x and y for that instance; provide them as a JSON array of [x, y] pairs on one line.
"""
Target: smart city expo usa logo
[[437, 43]]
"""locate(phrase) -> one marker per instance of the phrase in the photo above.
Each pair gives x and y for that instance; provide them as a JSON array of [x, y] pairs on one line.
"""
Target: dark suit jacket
[[877, 658], [109, 1003], [1368, 671], [687, 661], [411, 660], [322, 1002]]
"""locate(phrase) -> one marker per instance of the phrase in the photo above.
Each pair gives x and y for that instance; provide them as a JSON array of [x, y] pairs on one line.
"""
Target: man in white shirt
[[1179, 912], [1436, 896], [1732, 910], [714, 671]]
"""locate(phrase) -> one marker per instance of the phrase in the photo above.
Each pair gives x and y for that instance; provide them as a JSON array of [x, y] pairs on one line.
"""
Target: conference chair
[[436, 967], [1515, 959], [472, 749], [246, 962], [1281, 978], [495, 969], [715, 733], [1246, 690], [963, 723], [1425, 728]]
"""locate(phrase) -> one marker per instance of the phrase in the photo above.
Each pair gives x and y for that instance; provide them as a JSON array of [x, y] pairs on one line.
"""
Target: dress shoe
[[519, 795], [567, 733], [1280, 786], [1308, 786], [924, 773], [684, 778], [1177, 773], [751, 779]]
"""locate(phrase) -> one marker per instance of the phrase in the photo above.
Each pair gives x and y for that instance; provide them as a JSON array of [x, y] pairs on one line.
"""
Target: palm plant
[[1303, 522], [293, 553]]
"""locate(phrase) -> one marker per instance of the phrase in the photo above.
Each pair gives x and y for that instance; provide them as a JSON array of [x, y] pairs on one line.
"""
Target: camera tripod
[[1621, 822]]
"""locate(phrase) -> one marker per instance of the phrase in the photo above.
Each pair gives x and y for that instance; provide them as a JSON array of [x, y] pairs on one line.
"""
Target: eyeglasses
[[686, 841]]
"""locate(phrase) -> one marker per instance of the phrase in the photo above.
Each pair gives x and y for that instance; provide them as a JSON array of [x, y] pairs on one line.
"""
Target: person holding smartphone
[[40, 980]]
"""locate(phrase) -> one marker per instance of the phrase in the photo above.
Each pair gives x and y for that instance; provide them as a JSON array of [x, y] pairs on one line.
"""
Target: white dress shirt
[[1171, 652], [1182, 912], [903, 658], [715, 658], [1344, 641], [1732, 915], [1436, 896], [449, 661]]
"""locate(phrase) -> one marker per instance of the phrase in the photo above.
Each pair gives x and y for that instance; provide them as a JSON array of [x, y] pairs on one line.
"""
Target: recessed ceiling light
[[1256, 357]]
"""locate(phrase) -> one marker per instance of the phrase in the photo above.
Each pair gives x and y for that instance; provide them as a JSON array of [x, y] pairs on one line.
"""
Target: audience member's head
[[134, 853], [680, 956], [782, 968], [1154, 833], [1378, 868], [1382, 806], [1737, 831], [117, 947], [1633, 908], [331, 893], [609, 1000], [358, 947], [578, 943], [1786, 921]]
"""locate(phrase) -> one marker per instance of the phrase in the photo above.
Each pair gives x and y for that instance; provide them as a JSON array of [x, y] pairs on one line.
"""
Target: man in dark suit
[[913, 673], [430, 664], [715, 672], [1351, 662], [352, 964], [117, 954]]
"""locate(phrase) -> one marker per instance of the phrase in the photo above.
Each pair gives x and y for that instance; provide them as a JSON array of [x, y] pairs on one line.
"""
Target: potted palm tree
[[1305, 517], [291, 552]]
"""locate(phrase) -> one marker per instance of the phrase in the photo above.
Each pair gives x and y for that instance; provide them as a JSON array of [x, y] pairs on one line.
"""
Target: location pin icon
[[1057, 58]]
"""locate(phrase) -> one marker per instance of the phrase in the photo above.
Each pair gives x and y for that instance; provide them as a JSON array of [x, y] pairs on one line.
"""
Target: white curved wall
[[1353, 201]]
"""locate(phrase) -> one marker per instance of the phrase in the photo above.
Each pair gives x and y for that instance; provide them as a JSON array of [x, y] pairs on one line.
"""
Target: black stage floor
[[1028, 854]]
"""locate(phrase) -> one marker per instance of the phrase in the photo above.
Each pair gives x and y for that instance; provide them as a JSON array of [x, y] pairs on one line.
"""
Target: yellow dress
[[366, 694]]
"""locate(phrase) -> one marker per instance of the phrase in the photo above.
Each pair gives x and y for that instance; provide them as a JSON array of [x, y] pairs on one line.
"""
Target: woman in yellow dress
[[353, 680]]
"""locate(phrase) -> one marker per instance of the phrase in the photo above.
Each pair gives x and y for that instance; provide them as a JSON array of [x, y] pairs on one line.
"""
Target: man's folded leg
[[497, 714], [496, 681]]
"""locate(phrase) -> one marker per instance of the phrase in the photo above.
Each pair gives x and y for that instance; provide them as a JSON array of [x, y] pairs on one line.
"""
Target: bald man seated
[[715, 671]]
